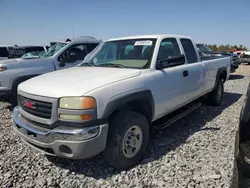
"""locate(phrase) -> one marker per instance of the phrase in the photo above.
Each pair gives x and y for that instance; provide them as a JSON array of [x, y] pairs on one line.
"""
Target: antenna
[[73, 34]]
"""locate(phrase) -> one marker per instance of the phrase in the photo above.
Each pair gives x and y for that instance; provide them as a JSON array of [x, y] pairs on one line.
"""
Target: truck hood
[[75, 81], [19, 60], [7, 61]]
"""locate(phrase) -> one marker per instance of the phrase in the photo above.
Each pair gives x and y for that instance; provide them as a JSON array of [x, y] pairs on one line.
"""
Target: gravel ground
[[196, 151]]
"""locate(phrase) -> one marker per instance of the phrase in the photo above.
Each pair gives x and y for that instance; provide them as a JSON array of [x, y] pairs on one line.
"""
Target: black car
[[4, 51], [242, 145]]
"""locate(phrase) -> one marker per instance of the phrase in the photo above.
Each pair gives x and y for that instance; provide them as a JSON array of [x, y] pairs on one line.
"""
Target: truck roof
[[28, 46], [155, 36], [84, 39], [2, 45]]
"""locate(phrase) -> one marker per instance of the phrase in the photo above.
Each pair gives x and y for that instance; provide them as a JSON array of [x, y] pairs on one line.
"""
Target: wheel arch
[[21, 79], [139, 101], [221, 74]]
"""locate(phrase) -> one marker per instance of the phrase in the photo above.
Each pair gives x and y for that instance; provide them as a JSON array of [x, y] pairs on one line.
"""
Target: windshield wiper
[[31, 57], [88, 64], [112, 65]]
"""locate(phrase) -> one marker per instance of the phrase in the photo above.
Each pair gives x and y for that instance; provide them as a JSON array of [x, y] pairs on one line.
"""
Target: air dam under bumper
[[81, 143]]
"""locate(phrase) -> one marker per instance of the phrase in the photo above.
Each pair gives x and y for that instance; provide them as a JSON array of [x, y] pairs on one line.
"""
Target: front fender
[[120, 100]]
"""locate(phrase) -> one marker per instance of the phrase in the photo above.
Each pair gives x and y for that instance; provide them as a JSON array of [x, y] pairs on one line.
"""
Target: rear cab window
[[36, 48], [16, 52], [190, 52], [91, 46]]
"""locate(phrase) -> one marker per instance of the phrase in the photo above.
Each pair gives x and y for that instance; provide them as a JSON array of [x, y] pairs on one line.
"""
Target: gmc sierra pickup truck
[[60, 56], [110, 101]]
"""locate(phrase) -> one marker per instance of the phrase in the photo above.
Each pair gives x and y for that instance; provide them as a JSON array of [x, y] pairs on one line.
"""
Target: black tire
[[13, 96], [119, 125], [237, 180], [214, 98]]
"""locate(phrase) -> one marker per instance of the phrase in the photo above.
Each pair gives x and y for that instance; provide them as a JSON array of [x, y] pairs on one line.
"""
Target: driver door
[[71, 57]]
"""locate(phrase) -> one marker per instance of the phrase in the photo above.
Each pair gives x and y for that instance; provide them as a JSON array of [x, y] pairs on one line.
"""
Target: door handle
[[185, 73]]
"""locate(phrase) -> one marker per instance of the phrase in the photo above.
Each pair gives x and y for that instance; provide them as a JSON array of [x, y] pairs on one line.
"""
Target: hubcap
[[132, 141], [219, 92]]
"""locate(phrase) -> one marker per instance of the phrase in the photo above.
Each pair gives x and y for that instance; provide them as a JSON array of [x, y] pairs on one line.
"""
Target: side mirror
[[159, 65], [61, 62], [200, 53], [170, 62]]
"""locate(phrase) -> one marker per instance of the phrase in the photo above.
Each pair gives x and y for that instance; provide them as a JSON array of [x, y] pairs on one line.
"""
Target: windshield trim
[[93, 53]]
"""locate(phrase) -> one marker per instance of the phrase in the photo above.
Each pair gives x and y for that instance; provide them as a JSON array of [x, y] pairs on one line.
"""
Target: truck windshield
[[132, 53], [204, 48], [51, 51], [35, 54]]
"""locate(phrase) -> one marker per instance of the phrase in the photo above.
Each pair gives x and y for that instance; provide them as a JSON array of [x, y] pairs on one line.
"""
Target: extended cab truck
[[60, 56], [245, 57], [110, 101]]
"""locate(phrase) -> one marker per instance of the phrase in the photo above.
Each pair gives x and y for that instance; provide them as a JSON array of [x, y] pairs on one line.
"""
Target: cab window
[[168, 48], [189, 50], [75, 53]]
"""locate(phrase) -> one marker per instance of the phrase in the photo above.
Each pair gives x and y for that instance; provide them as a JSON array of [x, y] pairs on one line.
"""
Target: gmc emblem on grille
[[29, 104]]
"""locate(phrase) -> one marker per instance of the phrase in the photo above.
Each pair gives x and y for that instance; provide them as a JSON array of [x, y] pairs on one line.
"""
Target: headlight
[[77, 103], [2, 69]]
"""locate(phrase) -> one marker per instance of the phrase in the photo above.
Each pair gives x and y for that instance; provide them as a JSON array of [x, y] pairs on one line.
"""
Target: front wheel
[[13, 97], [127, 140]]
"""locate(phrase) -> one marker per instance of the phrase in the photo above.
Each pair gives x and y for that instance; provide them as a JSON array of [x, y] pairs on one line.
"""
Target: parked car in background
[[242, 144], [110, 101], [204, 50], [245, 57], [4, 51], [19, 51], [60, 56]]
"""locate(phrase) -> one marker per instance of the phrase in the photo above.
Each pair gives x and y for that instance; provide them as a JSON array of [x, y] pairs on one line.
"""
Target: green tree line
[[227, 47]]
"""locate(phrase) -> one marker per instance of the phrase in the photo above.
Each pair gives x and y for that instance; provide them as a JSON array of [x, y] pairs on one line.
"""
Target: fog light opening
[[66, 150]]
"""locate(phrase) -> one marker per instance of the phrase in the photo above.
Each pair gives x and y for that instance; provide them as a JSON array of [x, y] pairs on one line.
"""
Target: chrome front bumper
[[66, 142]]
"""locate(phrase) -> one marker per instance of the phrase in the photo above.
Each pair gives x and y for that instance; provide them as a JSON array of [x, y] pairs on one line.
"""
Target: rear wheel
[[215, 97], [127, 141]]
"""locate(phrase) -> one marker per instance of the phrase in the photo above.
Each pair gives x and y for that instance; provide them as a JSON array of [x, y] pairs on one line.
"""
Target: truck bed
[[205, 58]]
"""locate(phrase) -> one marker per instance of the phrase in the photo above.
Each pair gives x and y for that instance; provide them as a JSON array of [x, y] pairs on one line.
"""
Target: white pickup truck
[[60, 56], [110, 101]]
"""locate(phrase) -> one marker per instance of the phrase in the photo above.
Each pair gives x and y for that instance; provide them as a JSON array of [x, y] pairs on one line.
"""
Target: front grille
[[246, 56], [36, 108]]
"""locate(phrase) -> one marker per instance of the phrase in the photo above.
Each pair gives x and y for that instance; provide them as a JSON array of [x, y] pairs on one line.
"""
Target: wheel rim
[[219, 92], [132, 141]]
